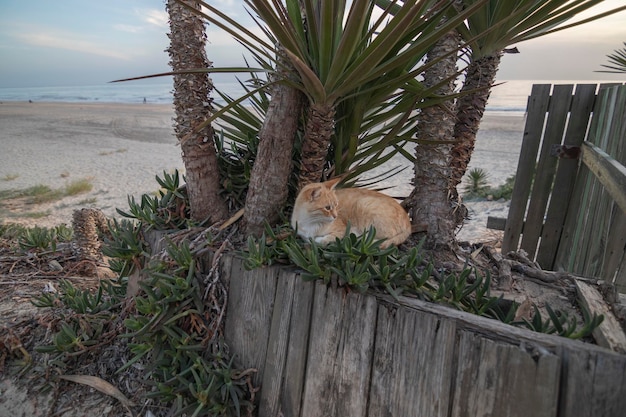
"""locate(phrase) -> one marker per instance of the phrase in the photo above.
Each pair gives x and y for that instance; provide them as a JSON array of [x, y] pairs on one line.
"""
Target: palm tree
[[346, 61], [617, 60], [430, 195], [268, 189], [339, 61], [193, 106], [338, 57]]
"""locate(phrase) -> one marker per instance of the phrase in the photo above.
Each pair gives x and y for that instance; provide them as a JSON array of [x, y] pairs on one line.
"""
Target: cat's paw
[[324, 240]]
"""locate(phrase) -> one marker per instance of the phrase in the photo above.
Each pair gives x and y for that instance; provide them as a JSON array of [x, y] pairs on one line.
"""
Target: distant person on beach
[[144, 100]]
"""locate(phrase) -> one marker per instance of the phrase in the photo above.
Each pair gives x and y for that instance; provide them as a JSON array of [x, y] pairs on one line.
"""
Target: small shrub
[[78, 187], [126, 246], [40, 193], [38, 238], [169, 209], [35, 190], [360, 264], [11, 231], [173, 334], [504, 191], [34, 214], [87, 201], [476, 181], [41, 238], [64, 233], [476, 186]]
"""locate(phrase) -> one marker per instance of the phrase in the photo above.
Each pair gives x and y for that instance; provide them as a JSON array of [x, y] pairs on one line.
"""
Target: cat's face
[[320, 202]]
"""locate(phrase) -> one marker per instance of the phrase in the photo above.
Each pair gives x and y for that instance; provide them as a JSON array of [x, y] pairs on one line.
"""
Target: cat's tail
[[396, 239]]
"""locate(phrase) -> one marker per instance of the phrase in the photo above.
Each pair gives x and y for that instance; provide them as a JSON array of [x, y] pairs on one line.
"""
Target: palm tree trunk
[[268, 190], [481, 74], [429, 204], [320, 126], [193, 105]]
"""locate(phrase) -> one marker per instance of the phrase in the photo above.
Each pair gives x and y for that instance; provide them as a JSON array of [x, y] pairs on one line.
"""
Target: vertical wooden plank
[[586, 235], [546, 166], [593, 384], [601, 134], [602, 220], [611, 136], [614, 132], [573, 248], [577, 125], [615, 242], [271, 387], [340, 353], [533, 130], [592, 249], [572, 237], [620, 276], [283, 378], [592, 245], [249, 314], [576, 383], [413, 364], [297, 353], [528, 386], [609, 388], [619, 130]]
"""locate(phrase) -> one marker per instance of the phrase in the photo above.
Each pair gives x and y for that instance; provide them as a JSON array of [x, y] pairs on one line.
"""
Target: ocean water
[[509, 97], [123, 92]]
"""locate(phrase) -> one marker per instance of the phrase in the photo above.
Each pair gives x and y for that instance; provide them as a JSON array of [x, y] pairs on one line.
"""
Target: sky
[[77, 42]]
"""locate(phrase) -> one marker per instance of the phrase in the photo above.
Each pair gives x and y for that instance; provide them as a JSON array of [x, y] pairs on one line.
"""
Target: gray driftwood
[[323, 351]]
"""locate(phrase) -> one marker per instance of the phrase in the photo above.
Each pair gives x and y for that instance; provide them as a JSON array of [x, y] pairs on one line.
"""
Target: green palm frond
[[343, 48], [617, 60], [345, 57], [512, 21]]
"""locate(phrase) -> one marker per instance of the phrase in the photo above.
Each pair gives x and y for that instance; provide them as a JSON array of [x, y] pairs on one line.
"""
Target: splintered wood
[[609, 334]]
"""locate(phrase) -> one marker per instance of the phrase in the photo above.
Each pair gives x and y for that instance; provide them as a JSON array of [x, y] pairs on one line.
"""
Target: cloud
[[69, 42], [147, 17], [154, 17]]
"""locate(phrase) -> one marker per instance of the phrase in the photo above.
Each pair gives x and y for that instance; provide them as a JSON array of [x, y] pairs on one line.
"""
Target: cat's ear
[[332, 183], [314, 193]]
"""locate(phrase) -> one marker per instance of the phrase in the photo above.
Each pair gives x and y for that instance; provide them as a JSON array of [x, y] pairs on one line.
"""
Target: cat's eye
[[328, 208]]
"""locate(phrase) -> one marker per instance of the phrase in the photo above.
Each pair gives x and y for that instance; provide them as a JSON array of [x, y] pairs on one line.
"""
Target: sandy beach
[[120, 148]]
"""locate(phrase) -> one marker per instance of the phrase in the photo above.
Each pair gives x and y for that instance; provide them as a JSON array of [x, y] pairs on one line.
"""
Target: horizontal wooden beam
[[496, 223], [610, 173]]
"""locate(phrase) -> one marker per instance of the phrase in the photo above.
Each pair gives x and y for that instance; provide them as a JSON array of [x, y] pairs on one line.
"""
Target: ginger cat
[[322, 212]]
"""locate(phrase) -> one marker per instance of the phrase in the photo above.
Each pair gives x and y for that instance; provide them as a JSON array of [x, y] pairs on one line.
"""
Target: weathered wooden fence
[[323, 351], [568, 207]]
